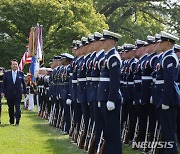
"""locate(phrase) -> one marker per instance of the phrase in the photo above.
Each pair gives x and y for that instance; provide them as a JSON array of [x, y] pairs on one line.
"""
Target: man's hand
[[2, 95], [25, 95]]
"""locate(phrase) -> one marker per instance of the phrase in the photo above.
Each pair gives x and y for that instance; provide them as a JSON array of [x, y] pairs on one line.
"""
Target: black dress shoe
[[17, 123]]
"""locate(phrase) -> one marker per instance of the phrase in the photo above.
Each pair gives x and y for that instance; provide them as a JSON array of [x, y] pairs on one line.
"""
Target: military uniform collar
[[93, 53], [80, 57], [153, 53], [131, 60], [166, 52], [86, 55], [112, 49], [142, 57], [99, 52], [160, 54]]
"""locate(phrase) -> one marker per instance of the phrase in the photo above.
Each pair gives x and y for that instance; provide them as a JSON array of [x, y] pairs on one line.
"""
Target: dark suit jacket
[[10, 89]]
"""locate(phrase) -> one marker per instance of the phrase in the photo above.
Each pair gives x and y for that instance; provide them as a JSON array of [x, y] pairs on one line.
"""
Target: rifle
[[147, 134], [72, 123], [135, 139], [81, 131], [51, 114], [156, 138], [91, 147], [75, 135], [101, 145], [58, 118], [127, 132], [86, 143], [61, 126]]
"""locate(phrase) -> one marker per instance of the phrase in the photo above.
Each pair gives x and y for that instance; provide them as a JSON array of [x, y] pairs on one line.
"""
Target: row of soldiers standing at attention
[[103, 96]]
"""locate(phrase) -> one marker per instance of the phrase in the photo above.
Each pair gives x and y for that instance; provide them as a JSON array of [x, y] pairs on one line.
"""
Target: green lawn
[[35, 136]]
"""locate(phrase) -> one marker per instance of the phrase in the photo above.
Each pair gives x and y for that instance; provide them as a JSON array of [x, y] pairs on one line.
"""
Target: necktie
[[14, 77]]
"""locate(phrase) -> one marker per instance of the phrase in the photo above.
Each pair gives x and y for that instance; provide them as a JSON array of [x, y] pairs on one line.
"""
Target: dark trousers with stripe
[[168, 128], [99, 125], [112, 129]]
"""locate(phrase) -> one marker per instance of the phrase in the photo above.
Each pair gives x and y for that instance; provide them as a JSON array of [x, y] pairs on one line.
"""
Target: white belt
[[74, 81], [82, 79], [137, 81], [147, 78], [104, 79], [95, 78], [159, 82], [130, 83], [124, 82], [88, 78], [70, 74]]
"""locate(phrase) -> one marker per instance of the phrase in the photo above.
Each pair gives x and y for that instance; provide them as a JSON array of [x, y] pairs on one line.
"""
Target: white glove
[[99, 104], [151, 100], [57, 97], [110, 105], [49, 98], [77, 101], [68, 102], [134, 103], [165, 107]]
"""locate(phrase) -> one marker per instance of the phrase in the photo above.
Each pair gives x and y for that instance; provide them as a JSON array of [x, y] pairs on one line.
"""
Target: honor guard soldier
[[95, 64], [53, 97], [58, 91], [156, 60], [121, 53], [47, 91], [1, 80], [89, 64], [177, 51], [109, 95], [146, 91], [73, 119], [128, 90], [167, 91], [77, 105], [82, 89], [65, 95], [141, 55]]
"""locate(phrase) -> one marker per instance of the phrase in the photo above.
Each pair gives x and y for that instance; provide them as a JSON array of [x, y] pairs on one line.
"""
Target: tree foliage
[[62, 20], [139, 18]]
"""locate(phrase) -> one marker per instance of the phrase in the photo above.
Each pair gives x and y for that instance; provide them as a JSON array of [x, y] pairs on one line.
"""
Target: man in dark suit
[[13, 82]]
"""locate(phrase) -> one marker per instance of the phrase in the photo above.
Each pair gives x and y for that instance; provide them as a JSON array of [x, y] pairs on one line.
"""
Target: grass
[[35, 136]]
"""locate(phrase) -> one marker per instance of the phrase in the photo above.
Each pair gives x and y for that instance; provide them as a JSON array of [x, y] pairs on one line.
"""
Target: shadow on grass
[[5, 125], [56, 142]]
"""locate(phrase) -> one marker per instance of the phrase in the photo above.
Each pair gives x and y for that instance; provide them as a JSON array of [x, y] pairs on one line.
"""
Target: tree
[[62, 20], [134, 19]]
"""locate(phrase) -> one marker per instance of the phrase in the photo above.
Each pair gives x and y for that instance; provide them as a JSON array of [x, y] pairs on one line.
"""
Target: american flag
[[24, 60]]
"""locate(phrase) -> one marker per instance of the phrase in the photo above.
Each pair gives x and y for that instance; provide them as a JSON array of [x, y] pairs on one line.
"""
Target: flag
[[24, 60], [31, 42], [36, 52]]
